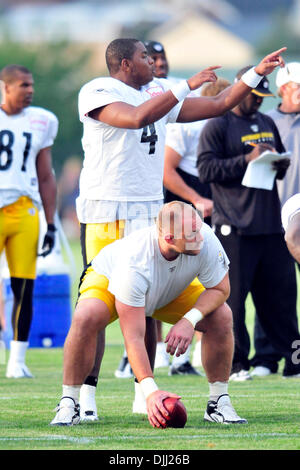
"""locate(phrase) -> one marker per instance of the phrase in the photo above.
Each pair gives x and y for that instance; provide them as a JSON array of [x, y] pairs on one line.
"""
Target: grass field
[[271, 405]]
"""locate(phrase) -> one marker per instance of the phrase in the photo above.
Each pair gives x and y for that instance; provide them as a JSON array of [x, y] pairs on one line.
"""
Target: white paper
[[259, 173]]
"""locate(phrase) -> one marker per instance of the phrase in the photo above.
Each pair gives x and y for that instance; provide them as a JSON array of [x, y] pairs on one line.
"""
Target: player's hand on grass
[[270, 62], [157, 413], [206, 75], [179, 337]]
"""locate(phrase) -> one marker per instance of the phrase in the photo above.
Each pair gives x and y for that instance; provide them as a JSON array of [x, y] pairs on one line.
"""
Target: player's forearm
[[195, 109], [47, 188], [138, 358], [174, 183], [214, 297]]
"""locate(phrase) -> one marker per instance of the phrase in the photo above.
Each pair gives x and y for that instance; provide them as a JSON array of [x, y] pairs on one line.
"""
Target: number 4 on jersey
[[150, 138]]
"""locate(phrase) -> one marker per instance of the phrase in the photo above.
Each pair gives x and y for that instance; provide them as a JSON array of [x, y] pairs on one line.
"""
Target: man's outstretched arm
[[194, 109]]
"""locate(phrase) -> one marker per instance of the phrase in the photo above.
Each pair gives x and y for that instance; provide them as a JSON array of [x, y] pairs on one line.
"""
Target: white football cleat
[[18, 370], [293, 376], [260, 371], [88, 416], [124, 370], [240, 376], [222, 411], [67, 413]]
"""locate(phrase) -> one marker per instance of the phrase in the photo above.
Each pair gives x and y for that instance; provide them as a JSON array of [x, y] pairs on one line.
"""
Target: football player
[[150, 273], [27, 182]]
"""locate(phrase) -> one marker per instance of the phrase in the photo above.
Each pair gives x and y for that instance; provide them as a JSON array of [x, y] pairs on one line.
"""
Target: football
[[177, 413]]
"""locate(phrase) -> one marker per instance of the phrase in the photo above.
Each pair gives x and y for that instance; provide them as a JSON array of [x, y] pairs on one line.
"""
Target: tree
[[59, 70]]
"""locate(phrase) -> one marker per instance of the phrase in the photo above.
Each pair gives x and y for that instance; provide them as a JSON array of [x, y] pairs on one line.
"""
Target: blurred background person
[[26, 137], [248, 223], [287, 119]]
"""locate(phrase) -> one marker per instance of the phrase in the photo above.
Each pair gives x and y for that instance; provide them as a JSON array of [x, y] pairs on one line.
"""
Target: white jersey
[[140, 276], [184, 139], [22, 136], [122, 164], [290, 208]]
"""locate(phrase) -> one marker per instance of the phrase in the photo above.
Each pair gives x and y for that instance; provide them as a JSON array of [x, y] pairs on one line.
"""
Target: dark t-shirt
[[221, 162]]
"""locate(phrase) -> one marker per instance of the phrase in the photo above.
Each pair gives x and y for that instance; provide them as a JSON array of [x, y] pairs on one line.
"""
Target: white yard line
[[89, 440]]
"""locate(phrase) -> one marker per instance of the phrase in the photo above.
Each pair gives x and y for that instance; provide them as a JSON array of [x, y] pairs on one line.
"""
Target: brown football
[[177, 413]]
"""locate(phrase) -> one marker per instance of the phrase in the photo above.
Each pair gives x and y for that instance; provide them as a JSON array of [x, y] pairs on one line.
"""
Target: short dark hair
[[9, 73], [242, 71], [118, 50]]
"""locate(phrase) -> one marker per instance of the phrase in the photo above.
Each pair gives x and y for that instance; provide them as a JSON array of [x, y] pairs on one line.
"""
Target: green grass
[[271, 405]]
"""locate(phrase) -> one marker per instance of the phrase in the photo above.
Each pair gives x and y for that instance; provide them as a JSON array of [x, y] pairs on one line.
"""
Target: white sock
[[161, 347], [71, 391], [177, 361], [139, 395], [18, 351], [196, 361], [87, 397], [216, 389]]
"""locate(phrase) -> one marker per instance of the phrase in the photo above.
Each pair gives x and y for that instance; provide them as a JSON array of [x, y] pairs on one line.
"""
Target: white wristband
[[194, 315], [148, 386], [251, 78], [180, 90]]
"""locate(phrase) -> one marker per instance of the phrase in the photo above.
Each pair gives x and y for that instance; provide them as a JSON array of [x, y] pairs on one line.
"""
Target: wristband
[[148, 386], [193, 316], [51, 227], [251, 78], [180, 90]]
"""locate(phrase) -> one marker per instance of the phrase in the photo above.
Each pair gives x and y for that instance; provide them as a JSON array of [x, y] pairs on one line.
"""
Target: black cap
[[262, 88], [154, 47]]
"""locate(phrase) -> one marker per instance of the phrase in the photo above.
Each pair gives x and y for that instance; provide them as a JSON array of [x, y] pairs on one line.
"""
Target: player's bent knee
[[220, 319], [224, 314], [91, 315]]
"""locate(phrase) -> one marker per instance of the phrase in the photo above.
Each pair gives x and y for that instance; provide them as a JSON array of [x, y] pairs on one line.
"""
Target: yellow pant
[[94, 237], [94, 285], [19, 234]]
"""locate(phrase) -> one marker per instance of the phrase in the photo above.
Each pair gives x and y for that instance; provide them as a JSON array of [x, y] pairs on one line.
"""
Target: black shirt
[[221, 162]]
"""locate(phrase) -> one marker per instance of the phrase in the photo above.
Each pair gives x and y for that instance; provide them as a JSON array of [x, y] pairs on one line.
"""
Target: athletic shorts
[[19, 235], [94, 285], [94, 237]]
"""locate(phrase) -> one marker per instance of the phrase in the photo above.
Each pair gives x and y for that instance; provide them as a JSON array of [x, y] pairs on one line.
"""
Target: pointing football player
[[124, 120], [26, 136]]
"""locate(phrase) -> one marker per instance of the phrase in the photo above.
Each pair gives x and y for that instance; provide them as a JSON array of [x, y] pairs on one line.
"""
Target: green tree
[[280, 35], [59, 70]]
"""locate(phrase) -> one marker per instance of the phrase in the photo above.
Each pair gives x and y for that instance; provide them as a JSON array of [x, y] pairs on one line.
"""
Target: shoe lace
[[74, 406]]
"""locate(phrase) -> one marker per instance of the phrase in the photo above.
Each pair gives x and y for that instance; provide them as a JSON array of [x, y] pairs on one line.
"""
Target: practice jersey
[[290, 208], [122, 164], [184, 139], [140, 276], [22, 136]]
